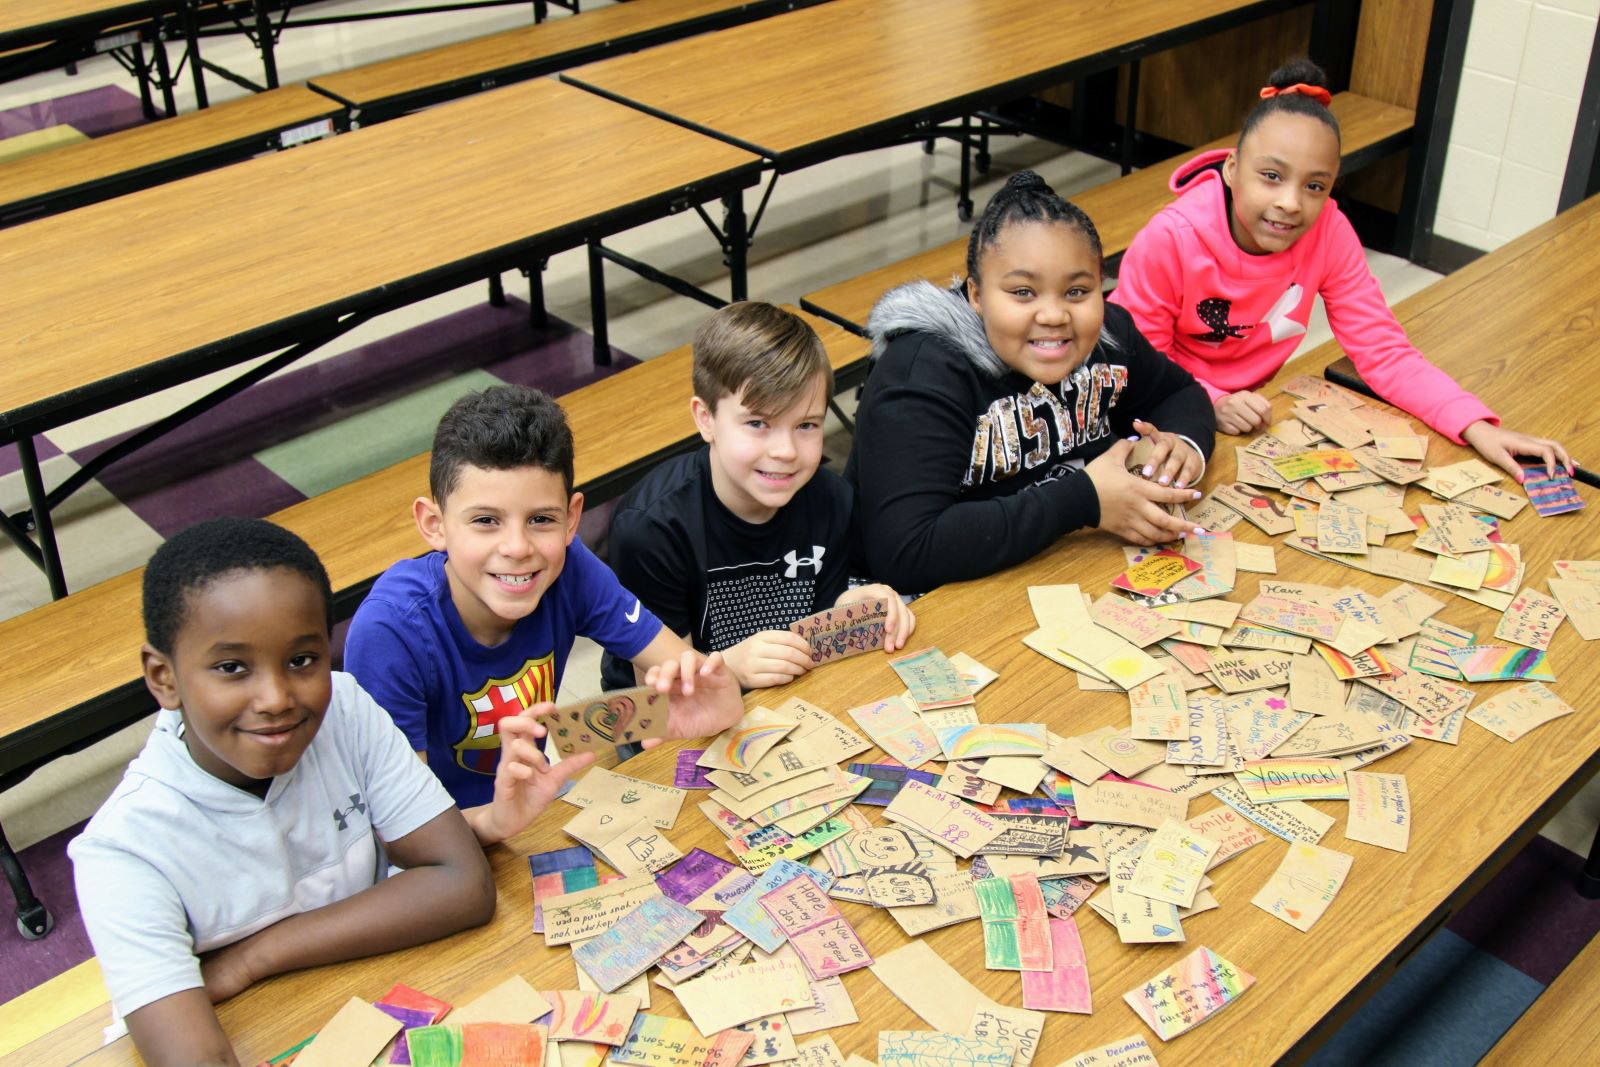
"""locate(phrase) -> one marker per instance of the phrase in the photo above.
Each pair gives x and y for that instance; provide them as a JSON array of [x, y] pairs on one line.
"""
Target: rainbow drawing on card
[[1501, 663], [1187, 993], [992, 739], [1549, 493], [1271, 781], [745, 746]]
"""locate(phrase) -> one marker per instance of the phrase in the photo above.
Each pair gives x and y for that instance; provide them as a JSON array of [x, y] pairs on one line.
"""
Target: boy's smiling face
[[759, 461], [505, 535], [251, 670]]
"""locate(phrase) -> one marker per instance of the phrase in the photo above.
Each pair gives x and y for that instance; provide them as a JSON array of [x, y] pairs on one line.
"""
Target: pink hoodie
[[1232, 319]]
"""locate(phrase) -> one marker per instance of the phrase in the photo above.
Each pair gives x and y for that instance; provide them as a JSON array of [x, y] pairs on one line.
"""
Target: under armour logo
[[796, 561], [342, 817]]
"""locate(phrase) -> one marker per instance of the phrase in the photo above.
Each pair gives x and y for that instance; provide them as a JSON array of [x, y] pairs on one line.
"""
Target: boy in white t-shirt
[[254, 833]]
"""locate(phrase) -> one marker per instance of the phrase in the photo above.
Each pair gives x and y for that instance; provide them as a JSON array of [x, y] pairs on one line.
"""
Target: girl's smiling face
[[1280, 176], [1038, 293]]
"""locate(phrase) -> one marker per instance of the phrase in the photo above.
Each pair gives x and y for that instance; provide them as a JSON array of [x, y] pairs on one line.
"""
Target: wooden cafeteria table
[[42, 34], [1520, 327], [1475, 804], [332, 234], [851, 74]]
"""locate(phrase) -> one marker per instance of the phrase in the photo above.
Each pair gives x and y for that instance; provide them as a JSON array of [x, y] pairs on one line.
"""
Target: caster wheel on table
[[38, 928]]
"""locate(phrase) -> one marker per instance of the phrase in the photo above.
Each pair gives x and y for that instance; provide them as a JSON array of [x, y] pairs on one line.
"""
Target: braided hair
[[1294, 73], [1026, 197]]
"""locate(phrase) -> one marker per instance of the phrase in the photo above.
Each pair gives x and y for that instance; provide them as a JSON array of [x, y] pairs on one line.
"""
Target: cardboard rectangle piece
[[808, 917], [842, 632], [1188, 993], [1380, 810], [948, 820], [898, 730], [921, 979], [599, 724], [1065, 987], [1304, 885], [1511, 715], [724, 998], [355, 1035], [635, 942], [741, 747], [932, 679]]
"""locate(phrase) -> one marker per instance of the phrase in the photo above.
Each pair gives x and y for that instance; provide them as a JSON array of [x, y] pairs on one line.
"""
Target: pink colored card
[[1066, 986]]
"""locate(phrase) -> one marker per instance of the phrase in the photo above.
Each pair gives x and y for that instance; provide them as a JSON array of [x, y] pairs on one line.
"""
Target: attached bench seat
[[393, 87], [1562, 1026], [157, 152], [1119, 208], [71, 672]]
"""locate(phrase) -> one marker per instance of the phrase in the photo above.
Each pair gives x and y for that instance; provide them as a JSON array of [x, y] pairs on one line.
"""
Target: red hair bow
[[1315, 92]]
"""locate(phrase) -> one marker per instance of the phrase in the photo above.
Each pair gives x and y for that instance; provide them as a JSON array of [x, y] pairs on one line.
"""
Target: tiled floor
[[372, 397]]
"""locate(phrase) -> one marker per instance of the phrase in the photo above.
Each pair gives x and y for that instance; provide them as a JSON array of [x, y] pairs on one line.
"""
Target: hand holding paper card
[[839, 633], [602, 723], [1549, 493]]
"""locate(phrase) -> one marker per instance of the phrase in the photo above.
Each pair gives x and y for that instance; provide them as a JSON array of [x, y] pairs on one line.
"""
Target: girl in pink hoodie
[[1223, 278]]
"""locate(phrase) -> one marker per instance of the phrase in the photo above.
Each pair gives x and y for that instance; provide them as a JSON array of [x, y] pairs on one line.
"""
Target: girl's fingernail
[[1147, 471], [1164, 479], [1134, 437], [1199, 529], [1197, 494]]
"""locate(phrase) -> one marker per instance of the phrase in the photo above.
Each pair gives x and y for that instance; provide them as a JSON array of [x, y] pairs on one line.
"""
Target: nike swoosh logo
[[633, 616]]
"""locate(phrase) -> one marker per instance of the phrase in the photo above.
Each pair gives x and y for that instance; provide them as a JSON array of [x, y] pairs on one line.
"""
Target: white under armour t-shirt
[[178, 862]]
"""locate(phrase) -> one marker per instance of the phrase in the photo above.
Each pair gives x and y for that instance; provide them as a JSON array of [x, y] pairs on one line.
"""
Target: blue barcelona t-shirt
[[409, 648]]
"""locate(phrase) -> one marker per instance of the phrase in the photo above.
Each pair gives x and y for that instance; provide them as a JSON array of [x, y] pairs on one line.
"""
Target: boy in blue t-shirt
[[465, 646]]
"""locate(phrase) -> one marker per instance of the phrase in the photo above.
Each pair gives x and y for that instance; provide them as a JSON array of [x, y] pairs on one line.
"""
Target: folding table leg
[[737, 242], [597, 305], [1589, 880], [497, 291], [964, 198], [33, 921], [264, 40], [537, 314], [39, 501]]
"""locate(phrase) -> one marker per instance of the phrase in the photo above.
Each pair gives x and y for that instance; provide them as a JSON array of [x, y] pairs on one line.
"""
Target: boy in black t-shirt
[[732, 543]]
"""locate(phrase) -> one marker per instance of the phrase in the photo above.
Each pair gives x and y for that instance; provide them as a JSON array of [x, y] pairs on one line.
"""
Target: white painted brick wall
[[1526, 61]]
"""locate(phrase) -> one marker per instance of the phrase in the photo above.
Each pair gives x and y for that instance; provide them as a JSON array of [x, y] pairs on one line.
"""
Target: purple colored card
[[1550, 494], [687, 774], [563, 870], [693, 875], [887, 781], [410, 1019]]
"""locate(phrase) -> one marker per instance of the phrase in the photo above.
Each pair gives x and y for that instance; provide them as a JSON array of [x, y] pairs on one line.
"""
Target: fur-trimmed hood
[[924, 306], [946, 314]]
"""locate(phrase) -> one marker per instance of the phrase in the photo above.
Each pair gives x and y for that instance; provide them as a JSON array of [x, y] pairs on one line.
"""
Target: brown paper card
[[1531, 620], [1513, 714], [512, 1001], [1304, 885], [1380, 810], [1126, 804], [355, 1035], [921, 980]]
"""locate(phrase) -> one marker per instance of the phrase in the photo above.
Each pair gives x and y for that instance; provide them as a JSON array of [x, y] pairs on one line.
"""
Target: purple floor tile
[[206, 466], [10, 464], [27, 963], [1530, 915], [170, 500], [93, 113]]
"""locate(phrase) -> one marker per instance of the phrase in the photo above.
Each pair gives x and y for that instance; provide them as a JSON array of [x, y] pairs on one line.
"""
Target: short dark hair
[[768, 357], [205, 552], [502, 428], [1295, 72], [1026, 197]]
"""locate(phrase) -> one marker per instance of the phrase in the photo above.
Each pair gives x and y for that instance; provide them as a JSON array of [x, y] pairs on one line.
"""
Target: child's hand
[[1501, 447], [898, 623], [1133, 508], [771, 657], [706, 698], [1243, 412], [524, 782], [1173, 461]]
